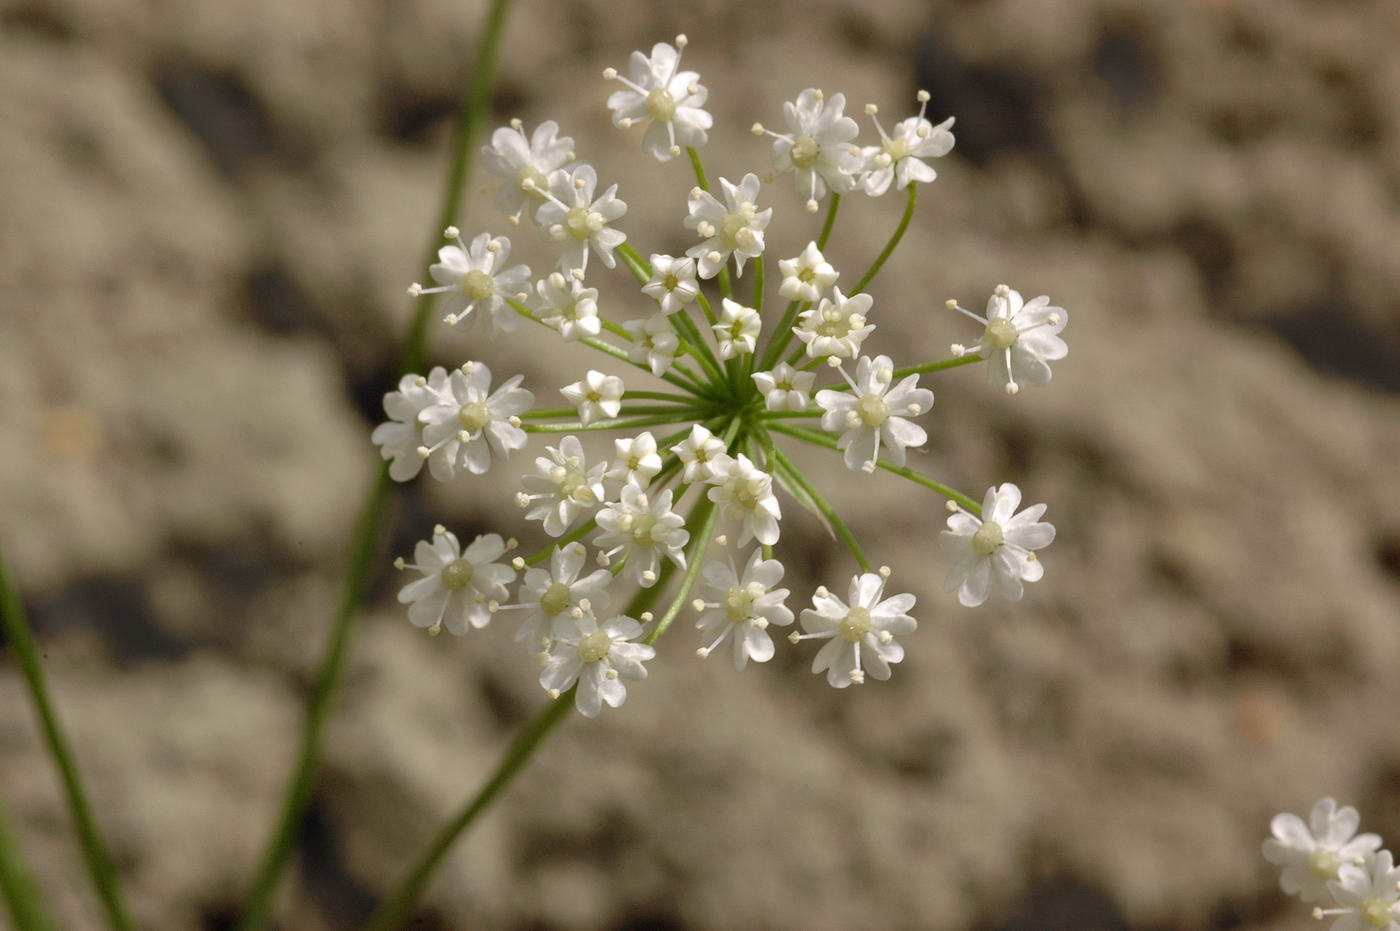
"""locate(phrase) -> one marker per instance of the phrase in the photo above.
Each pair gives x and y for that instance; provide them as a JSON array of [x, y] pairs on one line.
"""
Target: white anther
[[493, 606], [812, 206], [1053, 319], [884, 636], [721, 540], [695, 193], [794, 638], [1002, 290], [451, 319], [822, 591], [518, 564], [682, 41], [703, 653], [648, 577], [557, 280], [553, 693], [1013, 388], [435, 629], [625, 123], [420, 381], [609, 74], [580, 184], [399, 563], [922, 96], [463, 436], [423, 452], [714, 256], [556, 232], [868, 467], [756, 129], [818, 94], [884, 572], [451, 233], [761, 623], [951, 505], [585, 605], [512, 543], [857, 676], [675, 150], [576, 274], [514, 421], [833, 362], [871, 109], [493, 245], [958, 350], [1031, 557], [415, 289], [528, 184], [522, 500], [646, 617]]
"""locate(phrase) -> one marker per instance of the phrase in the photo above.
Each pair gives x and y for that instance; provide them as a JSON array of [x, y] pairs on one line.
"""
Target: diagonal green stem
[[940, 366], [17, 884], [20, 637], [827, 511], [886, 252], [472, 112], [706, 512], [700, 178], [821, 439], [830, 220]]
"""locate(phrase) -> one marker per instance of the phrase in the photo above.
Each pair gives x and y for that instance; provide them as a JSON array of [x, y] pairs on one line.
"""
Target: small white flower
[[1368, 896], [516, 159], [1311, 855], [457, 587], [659, 93], [471, 423], [563, 487], [596, 396], [736, 333], [836, 326], [742, 607], [873, 413], [598, 657], [734, 227], [806, 277], [785, 388], [898, 157], [672, 283], [860, 638], [568, 306], [696, 452], [637, 460], [653, 342], [475, 278], [572, 217], [549, 597], [400, 438], [641, 529], [744, 492], [1019, 338], [995, 548], [817, 146]]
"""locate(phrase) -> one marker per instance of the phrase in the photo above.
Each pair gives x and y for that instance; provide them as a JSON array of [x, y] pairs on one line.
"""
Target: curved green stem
[[886, 252], [17, 884], [830, 220], [821, 439], [100, 865], [827, 511], [782, 335], [700, 178], [707, 513], [613, 423]]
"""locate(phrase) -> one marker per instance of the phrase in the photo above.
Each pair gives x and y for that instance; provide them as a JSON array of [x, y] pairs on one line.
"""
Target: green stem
[[613, 423], [939, 366], [17, 884], [709, 312], [20, 637], [821, 439], [471, 113], [837, 524], [707, 513], [658, 396], [392, 912], [894, 240], [830, 220], [700, 178], [758, 284], [782, 335]]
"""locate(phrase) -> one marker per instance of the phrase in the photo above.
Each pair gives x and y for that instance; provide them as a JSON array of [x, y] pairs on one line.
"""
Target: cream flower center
[[1324, 863], [987, 538], [594, 647], [641, 528], [805, 150], [473, 416], [1001, 333], [670, 282], [478, 285], [855, 624], [1377, 912], [583, 222], [538, 182], [556, 599], [736, 225], [872, 409], [834, 323], [661, 104], [896, 148], [457, 574], [738, 604]]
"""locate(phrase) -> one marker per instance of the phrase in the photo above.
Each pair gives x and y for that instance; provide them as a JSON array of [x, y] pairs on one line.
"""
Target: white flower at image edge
[[1311, 854], [458, 586], [1367, 896], [598, 657], [995, 548], [860, 636], [398, 439]]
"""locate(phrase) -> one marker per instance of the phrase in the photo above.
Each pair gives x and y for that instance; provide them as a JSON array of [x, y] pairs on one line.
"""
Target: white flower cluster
[[1325, 859], [701, 459]]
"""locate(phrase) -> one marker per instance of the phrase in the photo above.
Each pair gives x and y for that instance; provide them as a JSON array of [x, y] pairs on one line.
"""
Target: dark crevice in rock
[[343, 899]]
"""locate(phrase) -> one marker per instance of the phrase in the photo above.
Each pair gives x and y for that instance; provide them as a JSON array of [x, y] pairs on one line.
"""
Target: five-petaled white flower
[[817, 146], [873, 413], [458, 586], [475, 279], [653, 342], [1019, 338], [734, 227], [736, 333], [470, 423], [696, 452], [672, 283], [860, 637], [994, 548], [637, 460], [550, 596], [1311, 854], [898, 157], [1368, 896], [568, 306], [516, 159], [659, 93], [598, 657], [596, 396], [573, 217], [641, 528], [837, 326], [785, 388], [400, 437], [562, 487], [742, 607], [744, 492], [806, 277]]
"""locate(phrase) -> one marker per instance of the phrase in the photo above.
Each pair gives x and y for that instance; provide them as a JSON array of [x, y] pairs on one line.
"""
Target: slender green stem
[[837, 524], [830, 220], [700, 178], [20, 637], [471, 113], [758, 284], [638, 266], [886, 252], [709, 311], [789, 415], [726, 289], [821, 439], [782, 335], [690, 334], [939, 366], [17, 884], [392, 912], [613, 423], [706, 513], [629, 395]]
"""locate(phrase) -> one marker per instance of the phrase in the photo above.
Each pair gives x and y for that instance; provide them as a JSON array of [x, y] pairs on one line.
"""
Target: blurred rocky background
[[209, 213]]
